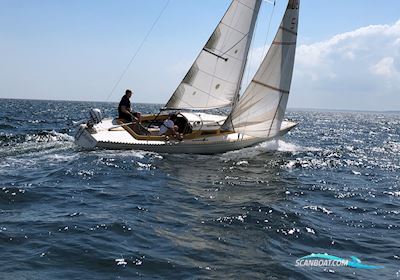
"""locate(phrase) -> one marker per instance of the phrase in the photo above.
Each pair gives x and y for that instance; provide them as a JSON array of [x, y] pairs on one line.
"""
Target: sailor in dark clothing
[[124, 108]]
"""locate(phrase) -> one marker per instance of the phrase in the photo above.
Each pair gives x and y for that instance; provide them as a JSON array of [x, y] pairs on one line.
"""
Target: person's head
[[172, 116], [128, 93]]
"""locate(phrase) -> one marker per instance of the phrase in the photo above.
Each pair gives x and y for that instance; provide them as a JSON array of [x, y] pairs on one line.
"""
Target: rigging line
[[269, 27], [138, 49]]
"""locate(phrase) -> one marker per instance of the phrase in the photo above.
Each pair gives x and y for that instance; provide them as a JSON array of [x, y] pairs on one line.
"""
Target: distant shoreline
[[162, 104]]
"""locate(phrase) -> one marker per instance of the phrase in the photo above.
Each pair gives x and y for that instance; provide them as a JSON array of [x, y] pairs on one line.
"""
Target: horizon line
[[161, 105]]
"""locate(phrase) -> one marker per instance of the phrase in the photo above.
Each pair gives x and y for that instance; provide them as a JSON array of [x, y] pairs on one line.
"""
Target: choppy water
[[331, 186]]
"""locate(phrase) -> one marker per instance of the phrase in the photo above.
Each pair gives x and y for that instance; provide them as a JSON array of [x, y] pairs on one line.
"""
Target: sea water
[[330, 186]]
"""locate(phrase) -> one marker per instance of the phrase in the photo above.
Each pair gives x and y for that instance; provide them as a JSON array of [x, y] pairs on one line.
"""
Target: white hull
[[107, 135]]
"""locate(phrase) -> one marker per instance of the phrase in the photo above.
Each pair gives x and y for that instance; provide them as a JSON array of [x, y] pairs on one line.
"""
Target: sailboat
[[214, 81]]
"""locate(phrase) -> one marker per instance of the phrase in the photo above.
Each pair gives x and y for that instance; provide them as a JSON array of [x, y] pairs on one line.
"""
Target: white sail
[[260, 111], [214, 79]]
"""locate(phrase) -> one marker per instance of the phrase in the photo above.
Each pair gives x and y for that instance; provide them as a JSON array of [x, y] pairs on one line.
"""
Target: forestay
[[214, 79], [260, 111]]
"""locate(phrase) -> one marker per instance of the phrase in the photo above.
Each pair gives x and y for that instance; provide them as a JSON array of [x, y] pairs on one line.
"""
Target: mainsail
[[214, 79], [261, 109]]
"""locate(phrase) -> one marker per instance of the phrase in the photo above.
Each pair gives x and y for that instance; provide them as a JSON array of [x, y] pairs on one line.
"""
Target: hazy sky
[[348, 54]]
